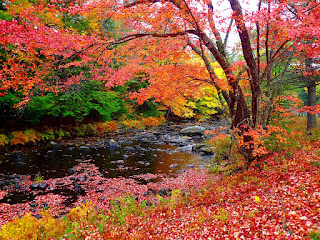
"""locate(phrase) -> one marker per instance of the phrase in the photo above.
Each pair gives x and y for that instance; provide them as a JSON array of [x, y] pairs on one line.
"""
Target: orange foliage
[[103, 127], [152, 121], [18, 138], [259, 137]]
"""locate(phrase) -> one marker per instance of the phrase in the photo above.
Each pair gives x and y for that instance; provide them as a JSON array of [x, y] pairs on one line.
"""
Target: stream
[[72, 168]]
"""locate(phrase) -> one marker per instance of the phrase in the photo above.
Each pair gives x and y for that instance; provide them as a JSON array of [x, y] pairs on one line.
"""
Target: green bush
[[78, 103]]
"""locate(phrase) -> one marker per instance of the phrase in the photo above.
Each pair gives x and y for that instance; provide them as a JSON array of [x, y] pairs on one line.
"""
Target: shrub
[[18, 138], [32, 136], [80, 101], [4, 140], [47, 135], [29, 227], [221, 149], [152, 121], [129, 123]]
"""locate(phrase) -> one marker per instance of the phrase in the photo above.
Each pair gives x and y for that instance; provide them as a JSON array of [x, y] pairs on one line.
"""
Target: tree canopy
[[161, 42]]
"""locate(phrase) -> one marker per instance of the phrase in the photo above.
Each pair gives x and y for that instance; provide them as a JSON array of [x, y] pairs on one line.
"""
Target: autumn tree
[[155, 39], [306, 14], [267, 38]]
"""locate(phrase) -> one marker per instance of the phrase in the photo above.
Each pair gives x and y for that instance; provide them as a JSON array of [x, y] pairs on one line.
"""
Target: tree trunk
[[312, 101], [312, 98]]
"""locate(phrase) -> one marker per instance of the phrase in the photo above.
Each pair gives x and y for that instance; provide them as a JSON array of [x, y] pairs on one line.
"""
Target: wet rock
[[52, 143], [197, 147], [43, 186], [84, 149], [82, 179], [157, 133], [207, 151], [118, 161], [138, 147], [125, 156], [190, 166], [186, 148], [34, 186], [113, 144], [127, 148], [196, 137], [17, 186], [17, 154], [19, 162], [193, 130], [173, 165], [77, 188], [145, 163], [71, 171], [202, 149]]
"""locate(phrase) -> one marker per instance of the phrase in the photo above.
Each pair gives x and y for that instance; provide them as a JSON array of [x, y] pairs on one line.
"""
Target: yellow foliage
[[129, 123], [32, 136], [81, 212], [28, 227], [179, 107], [3, 140], [52, 18]]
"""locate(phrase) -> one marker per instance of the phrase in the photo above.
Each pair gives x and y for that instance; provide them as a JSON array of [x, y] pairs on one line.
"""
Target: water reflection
[[132, 158]]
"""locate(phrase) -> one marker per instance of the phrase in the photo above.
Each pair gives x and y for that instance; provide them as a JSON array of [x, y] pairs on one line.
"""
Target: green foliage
[[314, 235], [48, 135], [38, 178], [147, 108], [3, 12], [5, 16], [124, 207], [76, 22], [61, 134], [316, 163], [83, 100]]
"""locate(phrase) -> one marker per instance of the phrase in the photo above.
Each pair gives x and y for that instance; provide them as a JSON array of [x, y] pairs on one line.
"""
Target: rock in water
[[193, 130]]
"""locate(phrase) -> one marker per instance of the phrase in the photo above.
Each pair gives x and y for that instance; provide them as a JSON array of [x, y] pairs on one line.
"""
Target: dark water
[[130, 157]]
